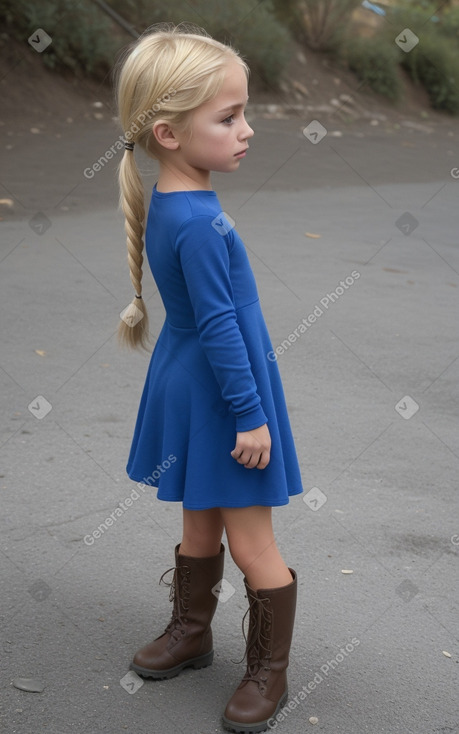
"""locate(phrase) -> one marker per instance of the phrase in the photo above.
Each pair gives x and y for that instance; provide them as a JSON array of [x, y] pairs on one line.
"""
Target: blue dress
[[209, 374]]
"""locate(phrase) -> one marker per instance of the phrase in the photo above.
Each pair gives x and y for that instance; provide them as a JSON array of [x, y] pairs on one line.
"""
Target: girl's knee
[[249, 554], [200, 545], [202, 533]]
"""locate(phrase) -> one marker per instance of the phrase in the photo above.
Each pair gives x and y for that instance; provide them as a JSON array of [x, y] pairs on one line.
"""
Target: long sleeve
[[205, 262]]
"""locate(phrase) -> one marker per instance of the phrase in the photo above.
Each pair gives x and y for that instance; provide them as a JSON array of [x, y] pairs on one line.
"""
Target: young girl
[[212, 430]]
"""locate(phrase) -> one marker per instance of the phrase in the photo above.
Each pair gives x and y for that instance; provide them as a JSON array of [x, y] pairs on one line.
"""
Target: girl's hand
[[253, 448]]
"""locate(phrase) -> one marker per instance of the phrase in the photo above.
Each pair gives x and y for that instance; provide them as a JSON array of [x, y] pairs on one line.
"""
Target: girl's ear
[[164, 135]]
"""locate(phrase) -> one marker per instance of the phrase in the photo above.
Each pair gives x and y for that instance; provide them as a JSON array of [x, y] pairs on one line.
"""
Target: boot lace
[[258, 641], [179, 595]]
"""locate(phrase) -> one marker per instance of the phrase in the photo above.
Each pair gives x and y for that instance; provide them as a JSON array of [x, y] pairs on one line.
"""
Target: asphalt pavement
[[354, 236]]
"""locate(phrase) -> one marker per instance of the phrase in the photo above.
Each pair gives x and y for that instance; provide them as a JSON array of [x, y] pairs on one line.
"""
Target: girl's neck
[[172, 180]]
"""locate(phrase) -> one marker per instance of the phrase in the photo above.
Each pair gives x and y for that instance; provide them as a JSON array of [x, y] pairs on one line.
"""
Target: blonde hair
[[170, 70]]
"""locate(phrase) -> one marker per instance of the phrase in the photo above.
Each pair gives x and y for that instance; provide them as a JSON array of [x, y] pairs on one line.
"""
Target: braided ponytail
[[169, 72], [133, 328]]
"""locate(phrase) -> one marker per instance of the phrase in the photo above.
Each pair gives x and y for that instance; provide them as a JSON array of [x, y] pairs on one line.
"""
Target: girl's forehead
[[234, 87]]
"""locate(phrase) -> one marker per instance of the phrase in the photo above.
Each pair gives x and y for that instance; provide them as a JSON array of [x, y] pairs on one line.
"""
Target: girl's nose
[[247, 131]]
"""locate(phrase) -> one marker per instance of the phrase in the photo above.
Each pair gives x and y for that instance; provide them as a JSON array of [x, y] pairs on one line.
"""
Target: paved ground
[[373, 396]]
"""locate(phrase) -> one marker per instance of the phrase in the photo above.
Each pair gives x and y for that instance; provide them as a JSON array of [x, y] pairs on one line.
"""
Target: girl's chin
[[235, 163], [228, 168]]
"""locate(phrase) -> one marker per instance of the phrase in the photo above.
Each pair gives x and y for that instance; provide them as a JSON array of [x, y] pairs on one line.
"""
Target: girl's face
[[219, 131]]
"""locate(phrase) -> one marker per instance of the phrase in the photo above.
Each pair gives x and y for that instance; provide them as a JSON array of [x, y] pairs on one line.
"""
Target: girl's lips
[[242, 153]]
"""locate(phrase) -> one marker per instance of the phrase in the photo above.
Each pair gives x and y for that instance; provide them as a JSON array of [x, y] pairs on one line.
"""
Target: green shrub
[[82, 36], [375, 61], [249, 25], [86, 40], [434, 63], [449, 23], [320, 24], [415, 16]]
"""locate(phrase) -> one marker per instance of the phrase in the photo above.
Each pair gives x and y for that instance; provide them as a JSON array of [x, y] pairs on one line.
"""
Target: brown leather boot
[[263, 690], [187, 639]]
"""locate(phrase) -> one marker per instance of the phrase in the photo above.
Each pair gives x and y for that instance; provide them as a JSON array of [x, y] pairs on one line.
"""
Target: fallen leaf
[[34, 685], [312, 235], [300, 88], [40, 352], [346, 570], [446, 654]]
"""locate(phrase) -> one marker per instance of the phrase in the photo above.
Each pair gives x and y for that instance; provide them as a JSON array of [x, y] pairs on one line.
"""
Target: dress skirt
[[205, 382]]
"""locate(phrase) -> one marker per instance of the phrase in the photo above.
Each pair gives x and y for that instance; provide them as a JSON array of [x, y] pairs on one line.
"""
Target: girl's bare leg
[[202, 533], [253, 547]]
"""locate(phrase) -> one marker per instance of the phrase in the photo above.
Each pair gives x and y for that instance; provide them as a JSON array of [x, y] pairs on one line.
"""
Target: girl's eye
[[229, 120]]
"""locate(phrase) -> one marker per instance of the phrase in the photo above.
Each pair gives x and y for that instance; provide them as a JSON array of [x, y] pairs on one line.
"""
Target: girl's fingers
[[242, 456], [251, 459], [253, 448], [264, 460]]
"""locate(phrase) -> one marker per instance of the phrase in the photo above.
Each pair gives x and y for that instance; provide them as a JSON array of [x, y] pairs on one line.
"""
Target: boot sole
[[201, 662], [257, 726]]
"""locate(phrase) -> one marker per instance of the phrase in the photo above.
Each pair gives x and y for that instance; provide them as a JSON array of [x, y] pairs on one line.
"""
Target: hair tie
[[128, 145], [137, 296]]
